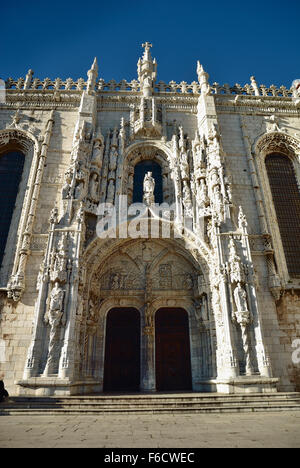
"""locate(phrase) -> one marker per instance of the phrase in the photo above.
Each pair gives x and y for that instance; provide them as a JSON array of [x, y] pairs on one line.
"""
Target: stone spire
[[147, 71], [203, 79], [92, 77]]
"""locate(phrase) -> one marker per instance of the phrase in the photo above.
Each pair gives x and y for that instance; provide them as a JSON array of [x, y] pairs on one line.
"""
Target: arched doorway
[[122, 350], [172, 350]]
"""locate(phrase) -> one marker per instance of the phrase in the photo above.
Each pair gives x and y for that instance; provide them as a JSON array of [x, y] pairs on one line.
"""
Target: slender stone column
[[36, 347], [67, 357], [148, 360], [230, 367]]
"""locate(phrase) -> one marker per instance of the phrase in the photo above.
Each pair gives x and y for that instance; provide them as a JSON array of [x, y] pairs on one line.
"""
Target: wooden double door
[[122, 367]]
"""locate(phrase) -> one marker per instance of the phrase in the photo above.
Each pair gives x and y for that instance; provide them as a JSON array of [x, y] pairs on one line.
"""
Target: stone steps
[[152, 404]]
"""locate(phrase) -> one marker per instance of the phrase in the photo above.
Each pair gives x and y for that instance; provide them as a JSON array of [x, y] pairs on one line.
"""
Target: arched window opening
[[140, 171], [286, 197], [11, 168]]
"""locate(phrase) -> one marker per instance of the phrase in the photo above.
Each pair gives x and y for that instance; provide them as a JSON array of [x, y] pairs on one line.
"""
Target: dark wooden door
[[172, 350], [122, 350]]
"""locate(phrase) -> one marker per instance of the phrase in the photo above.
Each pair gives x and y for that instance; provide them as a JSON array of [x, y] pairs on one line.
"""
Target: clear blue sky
[[233, 40]]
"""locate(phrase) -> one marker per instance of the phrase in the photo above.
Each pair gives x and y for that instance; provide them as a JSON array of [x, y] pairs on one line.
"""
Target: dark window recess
[[140, 171], [11, 168], [286, 197]]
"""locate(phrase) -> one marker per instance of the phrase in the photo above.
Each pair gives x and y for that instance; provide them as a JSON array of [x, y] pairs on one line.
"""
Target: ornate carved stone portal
[[195, 270]]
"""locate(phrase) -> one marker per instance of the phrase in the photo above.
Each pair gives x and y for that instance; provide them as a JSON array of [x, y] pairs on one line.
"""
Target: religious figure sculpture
[[93, 187], [54, 317], [149, 186], [243, 318]]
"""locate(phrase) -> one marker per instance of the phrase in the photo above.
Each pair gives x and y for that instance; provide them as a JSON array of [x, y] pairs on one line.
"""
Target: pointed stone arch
[[14, 139], [288, 146]]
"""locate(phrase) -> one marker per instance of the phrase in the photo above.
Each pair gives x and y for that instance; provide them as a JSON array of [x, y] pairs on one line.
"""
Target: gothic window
[[286, 197], [140, 171], [11, 168]]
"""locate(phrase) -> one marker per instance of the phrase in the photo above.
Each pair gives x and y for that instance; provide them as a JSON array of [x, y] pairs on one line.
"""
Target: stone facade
[[226, 268]]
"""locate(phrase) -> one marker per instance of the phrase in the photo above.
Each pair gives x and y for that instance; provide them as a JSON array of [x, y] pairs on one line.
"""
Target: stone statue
[[240, 298], [66, 190], [115, 281], [97, 153], [54, 317], [149, 186], [185, 169], [244, 319], [93, 187]]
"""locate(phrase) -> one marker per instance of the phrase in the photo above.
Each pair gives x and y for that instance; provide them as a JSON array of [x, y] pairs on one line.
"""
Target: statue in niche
[[218, 199], [186, 195], [110, 192], [93, 187], [92, 318], [214, 138], [97, 154], [244, 319], [240, 298], [188, 282], [185, 169], [54, 317], [149, 186], [79, 190], [66, 190], [228, 186], [115, 281], [236, 266], [203, 194], [113, 160]]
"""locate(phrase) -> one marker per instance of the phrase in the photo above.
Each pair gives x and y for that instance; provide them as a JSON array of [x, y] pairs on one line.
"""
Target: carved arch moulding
[[22, 141], [277, 142], [17, 139], [134, 256], [35, 153]]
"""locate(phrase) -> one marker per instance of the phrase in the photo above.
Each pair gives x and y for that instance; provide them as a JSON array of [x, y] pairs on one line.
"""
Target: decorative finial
[[203, 79], [28, 79], [147, 71], [92, 77], [254, 86]]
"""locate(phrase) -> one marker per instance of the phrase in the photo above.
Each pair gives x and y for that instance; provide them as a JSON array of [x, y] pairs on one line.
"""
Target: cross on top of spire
[[147, 45]]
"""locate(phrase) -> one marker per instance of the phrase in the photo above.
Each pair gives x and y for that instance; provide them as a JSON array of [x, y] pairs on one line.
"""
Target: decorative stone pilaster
[[16, 285]]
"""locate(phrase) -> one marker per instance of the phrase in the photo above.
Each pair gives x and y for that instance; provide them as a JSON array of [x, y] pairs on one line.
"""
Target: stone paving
[[270, 430]]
